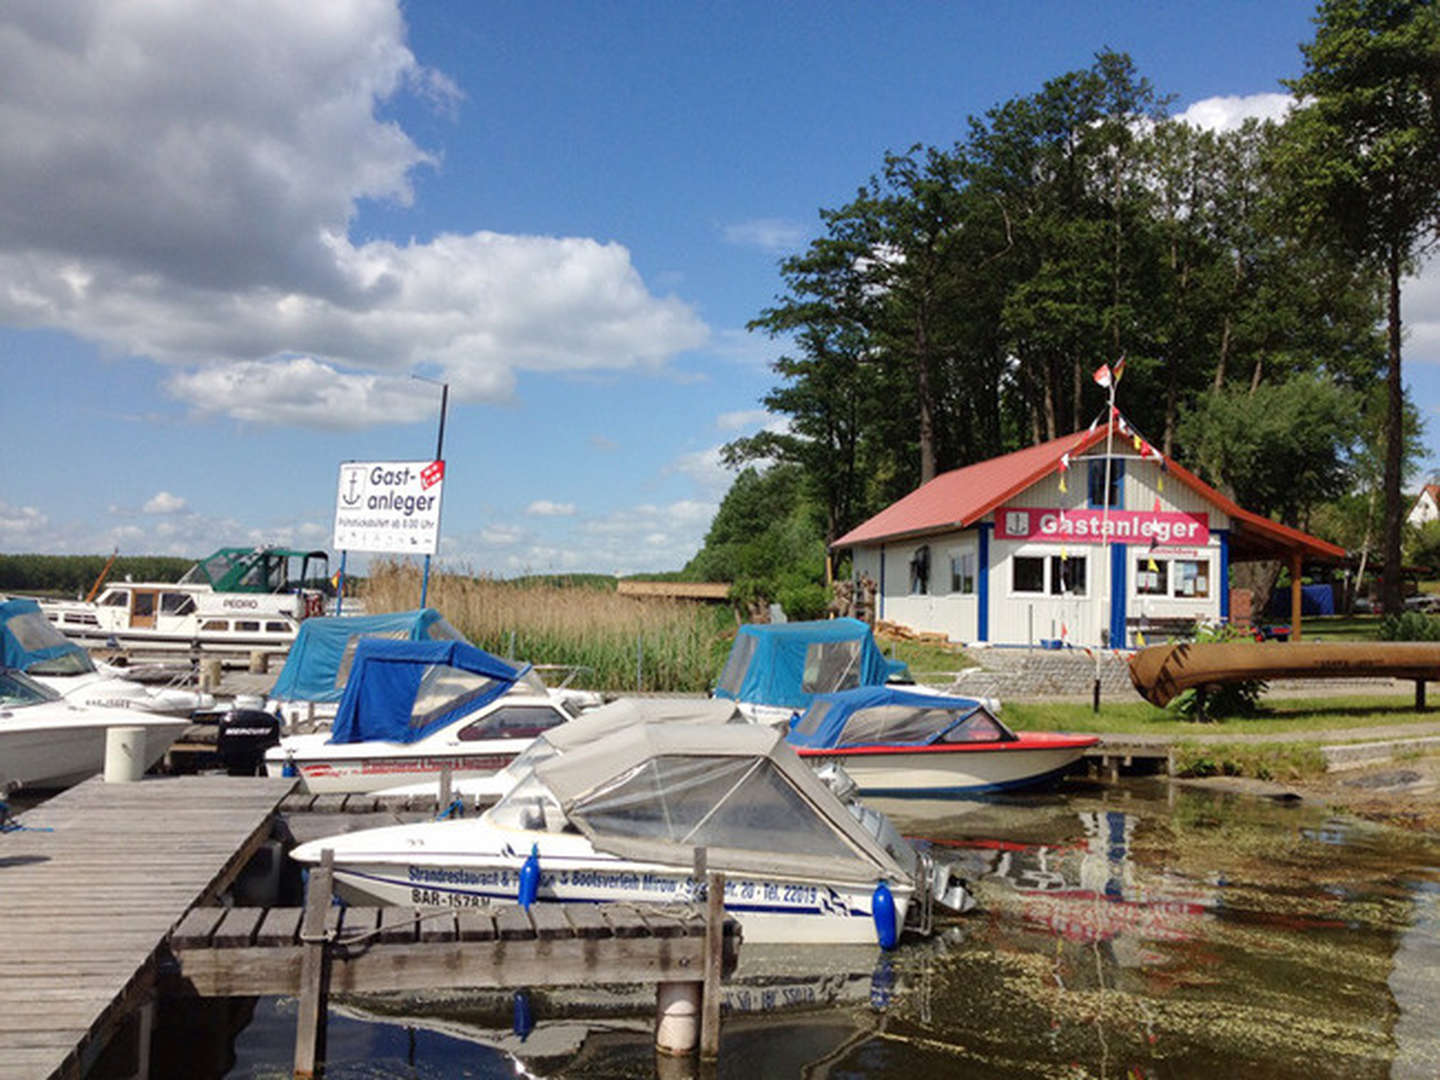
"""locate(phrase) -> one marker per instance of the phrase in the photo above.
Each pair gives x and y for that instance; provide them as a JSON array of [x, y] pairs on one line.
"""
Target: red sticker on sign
[[432, 474]]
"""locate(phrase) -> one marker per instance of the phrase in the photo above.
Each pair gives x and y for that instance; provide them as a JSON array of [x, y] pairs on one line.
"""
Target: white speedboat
[[46, 742], [907, 743], [29, 643], [235, 599], [411, 708], [621, 819], [595, 724]]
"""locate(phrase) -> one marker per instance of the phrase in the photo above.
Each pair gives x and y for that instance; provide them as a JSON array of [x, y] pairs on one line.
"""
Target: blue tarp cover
[[312, 669], [386, 677], [836, 709], [767, 664], [14, 654]]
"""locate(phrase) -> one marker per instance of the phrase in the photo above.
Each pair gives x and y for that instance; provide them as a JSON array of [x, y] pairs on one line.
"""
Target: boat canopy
[[30, 643], [320, 660], [256, 569], [656, 792], [894, 716], [401, 691], [786, 664]]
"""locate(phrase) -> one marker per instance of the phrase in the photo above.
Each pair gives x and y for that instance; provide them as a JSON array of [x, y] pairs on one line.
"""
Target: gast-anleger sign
[[389, 506], [1160, 527]]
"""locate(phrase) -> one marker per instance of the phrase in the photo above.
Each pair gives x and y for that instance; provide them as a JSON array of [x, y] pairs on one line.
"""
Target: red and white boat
[[899, 742]]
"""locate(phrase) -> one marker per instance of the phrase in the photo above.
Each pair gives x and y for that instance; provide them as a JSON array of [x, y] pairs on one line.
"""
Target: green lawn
[[1294, 715]]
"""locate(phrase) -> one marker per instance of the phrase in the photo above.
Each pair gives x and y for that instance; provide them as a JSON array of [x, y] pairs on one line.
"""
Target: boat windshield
[[831, 666], [732, 676], [739, 803], [907, 725], [443, 689], [17, 688], [529, 805], [34, 633]]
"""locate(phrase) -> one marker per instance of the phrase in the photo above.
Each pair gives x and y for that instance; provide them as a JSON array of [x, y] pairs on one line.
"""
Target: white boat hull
[[929, 773], [376, 770], [378, 866], [40, 752]]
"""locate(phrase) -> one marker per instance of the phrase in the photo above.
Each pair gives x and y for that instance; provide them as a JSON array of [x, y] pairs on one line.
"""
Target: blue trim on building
[[982, 587], [1223, 577], [1119, 553], [881, 590]]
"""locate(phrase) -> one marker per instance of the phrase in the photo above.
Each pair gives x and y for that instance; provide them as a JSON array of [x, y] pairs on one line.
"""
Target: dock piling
[[314, 970]]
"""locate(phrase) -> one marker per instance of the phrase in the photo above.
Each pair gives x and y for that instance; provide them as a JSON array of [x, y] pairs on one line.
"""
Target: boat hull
[[55, 755], [958, 770], [363, 775]]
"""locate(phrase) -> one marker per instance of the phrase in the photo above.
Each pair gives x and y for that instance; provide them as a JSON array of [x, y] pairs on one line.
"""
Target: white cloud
[[744, 418], [546, 508], [1227, 113], [501, 535], [162, 502], [768, 234], [19, 522], [602, 443], [706, 469], [190, 174], [1420, 308]]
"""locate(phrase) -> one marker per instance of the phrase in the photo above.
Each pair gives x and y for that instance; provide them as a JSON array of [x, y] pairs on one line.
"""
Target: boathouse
[[1014, 550]]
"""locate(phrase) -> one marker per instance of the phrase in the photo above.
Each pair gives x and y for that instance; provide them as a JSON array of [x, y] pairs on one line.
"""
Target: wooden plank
[[359, 924], [281, 926], [550, 921], [626, 921], [237, 928], [587, 921], [328, 804], [397, 926], [475, 924], [196, 928], [513, 924], [438, 926]]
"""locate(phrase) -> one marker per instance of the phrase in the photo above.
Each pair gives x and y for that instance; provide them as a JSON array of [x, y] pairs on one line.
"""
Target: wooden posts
[[124, 754], [714, 960], [314, 970], [1419, 695], [1295, 596], [446, 787]]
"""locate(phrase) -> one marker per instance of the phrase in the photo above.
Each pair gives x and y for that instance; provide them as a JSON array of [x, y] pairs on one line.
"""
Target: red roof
[[957, 499]]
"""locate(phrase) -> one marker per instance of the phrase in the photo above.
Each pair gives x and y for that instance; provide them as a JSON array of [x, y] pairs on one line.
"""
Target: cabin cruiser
[[47, 742], [236, 599], [621, 820], [582, 731], [411, 708], [29, 643], [899, 741]]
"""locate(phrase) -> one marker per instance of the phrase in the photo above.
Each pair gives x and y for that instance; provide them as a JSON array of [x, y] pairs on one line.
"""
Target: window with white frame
[[1067, 575], [1054, 575], [1179, 579], [1192, 578], [962, 571], [1152, 577], [1027, 574]]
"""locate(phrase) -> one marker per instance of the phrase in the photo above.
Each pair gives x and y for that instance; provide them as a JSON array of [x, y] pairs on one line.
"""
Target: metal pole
[[439, 456], [1105, 538], [340, 588]]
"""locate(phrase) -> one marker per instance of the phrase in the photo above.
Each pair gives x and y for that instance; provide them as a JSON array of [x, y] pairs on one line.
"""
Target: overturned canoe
[[1162, 671]]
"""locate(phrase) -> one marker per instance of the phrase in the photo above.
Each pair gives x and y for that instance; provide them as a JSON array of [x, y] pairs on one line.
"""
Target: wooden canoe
[[1162, 671]]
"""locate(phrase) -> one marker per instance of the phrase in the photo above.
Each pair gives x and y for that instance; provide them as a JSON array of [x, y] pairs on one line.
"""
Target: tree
[[1364, 160]]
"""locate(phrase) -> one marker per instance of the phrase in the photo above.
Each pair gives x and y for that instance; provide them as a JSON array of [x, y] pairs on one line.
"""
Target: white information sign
[[389, 506]]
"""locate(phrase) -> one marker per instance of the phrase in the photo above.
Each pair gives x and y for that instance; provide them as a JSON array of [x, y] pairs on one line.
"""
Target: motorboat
[[312, 682], [412, 708], [235, 599], [620, 820], [596, 724], [47, 742], [898, 741], [774, 670], [30, 643]]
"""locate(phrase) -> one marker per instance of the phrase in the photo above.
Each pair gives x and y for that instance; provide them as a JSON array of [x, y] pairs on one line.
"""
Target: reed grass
[[678, 646]]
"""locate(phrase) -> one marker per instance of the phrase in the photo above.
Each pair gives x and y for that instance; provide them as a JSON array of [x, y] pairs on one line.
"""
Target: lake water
[[1138, 931]]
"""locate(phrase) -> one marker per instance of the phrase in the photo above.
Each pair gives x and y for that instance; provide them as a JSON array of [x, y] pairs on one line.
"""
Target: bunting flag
[[1119, 368], [1104, 377], [1062, 484], [1139, 639], [1160, 480], [1094, 423], [1063, 631], [1139, 443], [1150, 565]]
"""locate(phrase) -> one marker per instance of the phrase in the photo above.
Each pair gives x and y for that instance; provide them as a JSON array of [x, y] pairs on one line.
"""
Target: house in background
[[1013, 551], [1427, 506]]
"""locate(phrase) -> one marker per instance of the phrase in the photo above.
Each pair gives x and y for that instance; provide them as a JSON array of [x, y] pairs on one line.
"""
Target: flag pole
[[1105, 536]]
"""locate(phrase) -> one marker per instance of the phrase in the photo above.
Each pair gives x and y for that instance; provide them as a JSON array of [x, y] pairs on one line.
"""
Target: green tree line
[[71, 575], [956, 307]]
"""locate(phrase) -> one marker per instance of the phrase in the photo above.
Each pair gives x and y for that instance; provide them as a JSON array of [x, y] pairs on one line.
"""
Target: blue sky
[[228, 236]]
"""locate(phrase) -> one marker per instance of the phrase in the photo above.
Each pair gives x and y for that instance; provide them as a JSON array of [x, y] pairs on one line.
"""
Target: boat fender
[[524, 1018], [882, 908], [289, 770], [530, 878]]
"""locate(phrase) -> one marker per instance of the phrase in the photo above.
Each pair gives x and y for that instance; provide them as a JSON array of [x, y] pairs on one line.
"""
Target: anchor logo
[[351, 496]]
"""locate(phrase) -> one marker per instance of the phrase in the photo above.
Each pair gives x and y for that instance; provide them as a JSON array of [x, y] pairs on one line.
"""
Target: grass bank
[[617, 641]]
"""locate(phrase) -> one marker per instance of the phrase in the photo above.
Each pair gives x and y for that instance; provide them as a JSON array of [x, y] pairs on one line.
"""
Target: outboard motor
[[245, 735]]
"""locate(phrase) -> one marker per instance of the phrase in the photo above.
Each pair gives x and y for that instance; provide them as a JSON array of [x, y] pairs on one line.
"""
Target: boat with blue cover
[[907, 742], [411, 708]]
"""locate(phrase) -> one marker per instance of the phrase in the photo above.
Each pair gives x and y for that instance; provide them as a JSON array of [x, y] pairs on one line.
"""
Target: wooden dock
[[89, 904]]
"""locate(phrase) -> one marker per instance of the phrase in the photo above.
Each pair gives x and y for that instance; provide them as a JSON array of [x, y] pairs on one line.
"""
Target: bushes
[[1410, 626], [1228, 699]]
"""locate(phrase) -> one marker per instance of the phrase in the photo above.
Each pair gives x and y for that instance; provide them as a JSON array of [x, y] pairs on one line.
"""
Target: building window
[[1152, 582], [920, 570], [962, 571], [1192, 578], [1096, 478], [1027, 574], [1067, 576]]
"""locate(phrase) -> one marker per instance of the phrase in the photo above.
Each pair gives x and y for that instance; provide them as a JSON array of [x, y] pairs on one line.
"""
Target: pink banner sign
[[1165, 528]]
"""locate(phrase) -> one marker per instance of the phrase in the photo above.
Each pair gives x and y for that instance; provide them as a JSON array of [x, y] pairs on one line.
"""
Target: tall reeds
[[672, 645]]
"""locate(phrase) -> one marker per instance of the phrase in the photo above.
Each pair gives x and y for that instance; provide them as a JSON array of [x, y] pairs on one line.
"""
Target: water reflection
[[1131, 932]]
